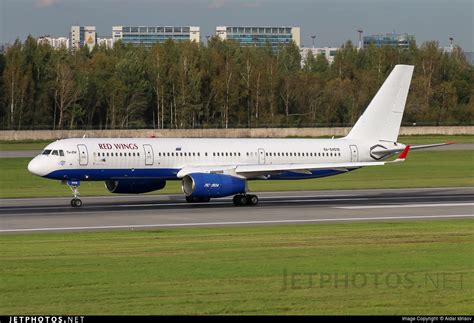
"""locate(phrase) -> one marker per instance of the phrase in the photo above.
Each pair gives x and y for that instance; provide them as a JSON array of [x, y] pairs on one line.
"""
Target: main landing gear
[[73, 185], [245, 199]]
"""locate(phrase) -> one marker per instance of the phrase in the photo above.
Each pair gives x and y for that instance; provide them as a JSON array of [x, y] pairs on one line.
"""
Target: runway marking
[[197, 224], [388, 206], [163, 203]]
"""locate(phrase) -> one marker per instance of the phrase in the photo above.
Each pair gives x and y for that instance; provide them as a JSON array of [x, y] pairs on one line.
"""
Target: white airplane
[[212, 168]]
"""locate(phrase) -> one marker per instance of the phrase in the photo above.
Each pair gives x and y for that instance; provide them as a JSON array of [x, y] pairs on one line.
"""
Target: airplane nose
[[34, 167]]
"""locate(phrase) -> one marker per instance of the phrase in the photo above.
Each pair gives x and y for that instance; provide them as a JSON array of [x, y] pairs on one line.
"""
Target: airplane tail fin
[[382, 118]]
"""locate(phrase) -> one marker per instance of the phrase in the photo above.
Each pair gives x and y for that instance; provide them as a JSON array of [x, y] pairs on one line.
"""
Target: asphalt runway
[[33, 153], [296, 207]]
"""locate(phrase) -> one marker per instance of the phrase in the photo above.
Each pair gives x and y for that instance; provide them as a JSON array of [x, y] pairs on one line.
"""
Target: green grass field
[[417, 268], [429, 139], [422, 169]]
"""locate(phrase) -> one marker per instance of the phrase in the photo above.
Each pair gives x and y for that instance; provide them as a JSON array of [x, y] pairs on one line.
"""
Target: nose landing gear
[[73, 185]]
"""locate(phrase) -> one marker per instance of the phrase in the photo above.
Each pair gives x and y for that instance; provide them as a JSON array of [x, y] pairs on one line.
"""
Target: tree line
[[221, 85]]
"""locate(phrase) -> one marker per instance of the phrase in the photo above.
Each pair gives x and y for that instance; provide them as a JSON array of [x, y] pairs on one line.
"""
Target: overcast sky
[[332, 21]]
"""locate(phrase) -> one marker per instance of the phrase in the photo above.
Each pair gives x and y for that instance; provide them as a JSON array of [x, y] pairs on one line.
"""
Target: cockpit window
[[61, 153], [55, 152], [46, 151]]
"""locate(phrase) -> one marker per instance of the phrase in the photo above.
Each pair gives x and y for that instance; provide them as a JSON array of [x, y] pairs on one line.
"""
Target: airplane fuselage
[[99, 159]]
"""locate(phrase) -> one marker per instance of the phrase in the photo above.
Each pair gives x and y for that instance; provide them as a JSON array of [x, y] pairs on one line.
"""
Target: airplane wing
[[256, 171]]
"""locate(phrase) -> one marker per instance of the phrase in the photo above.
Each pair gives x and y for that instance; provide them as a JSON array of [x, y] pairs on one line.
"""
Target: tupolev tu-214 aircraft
[[212, 168]]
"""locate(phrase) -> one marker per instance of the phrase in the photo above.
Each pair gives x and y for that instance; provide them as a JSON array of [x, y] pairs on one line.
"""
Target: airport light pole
[[314, 37], [451, 43], [360, 31]]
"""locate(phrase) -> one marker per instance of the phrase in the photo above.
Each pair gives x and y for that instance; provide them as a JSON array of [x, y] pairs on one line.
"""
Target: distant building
[[83, 36], [106, 41], [56, 43], [395, 40], [149, 35], [328, 52], [260, 36]]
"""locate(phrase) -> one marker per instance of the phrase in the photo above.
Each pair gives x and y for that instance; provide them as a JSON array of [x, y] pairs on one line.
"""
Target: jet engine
[[205, 185]]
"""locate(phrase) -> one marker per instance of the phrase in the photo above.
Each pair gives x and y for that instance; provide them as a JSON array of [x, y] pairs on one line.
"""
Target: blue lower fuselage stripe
[[160, 173], [108, 174]]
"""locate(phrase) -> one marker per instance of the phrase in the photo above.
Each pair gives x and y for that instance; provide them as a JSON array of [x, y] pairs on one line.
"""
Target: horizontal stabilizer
[[387, 152]]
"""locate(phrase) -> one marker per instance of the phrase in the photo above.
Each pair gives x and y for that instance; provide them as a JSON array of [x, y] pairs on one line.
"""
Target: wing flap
[[250, 170]]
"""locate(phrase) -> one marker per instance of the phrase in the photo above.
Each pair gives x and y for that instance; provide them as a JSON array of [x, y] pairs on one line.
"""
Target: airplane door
[[148, 154], [261, 156], [83, 156], [354, 153]]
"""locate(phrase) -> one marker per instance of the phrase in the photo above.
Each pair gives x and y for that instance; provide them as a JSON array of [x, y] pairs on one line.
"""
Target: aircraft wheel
[[76, 203], [240, 199], [252, 200]]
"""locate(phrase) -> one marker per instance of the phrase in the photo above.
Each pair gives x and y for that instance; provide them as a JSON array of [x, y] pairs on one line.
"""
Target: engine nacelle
[[204, 185], [134, 186]]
